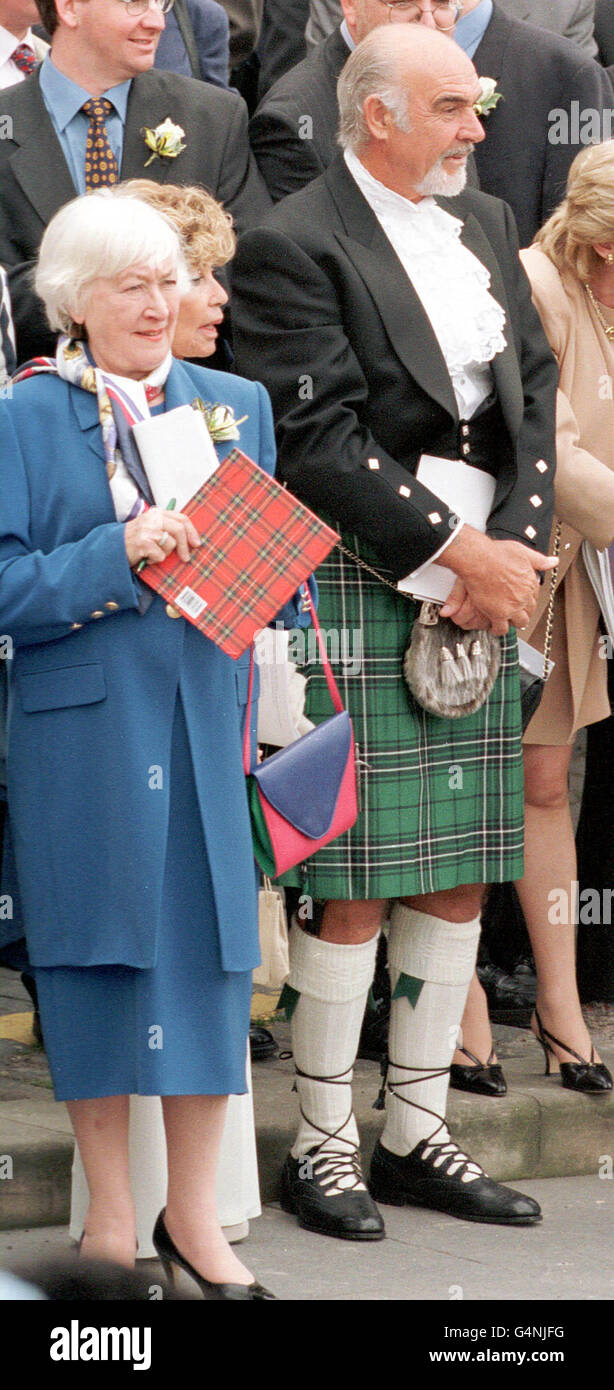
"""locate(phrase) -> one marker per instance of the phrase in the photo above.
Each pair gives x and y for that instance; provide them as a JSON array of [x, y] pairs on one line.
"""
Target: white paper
[[469, 492], [282, 691], [177, 453]]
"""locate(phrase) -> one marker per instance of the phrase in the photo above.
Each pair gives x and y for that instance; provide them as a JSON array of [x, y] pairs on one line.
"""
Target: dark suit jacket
[[604, 31], [210, 27], [537, 72], [282, 39], [308, 92], [326, 317], [35, 181]]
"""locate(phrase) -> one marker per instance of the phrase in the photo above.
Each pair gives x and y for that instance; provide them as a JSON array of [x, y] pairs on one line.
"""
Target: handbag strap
[[330, 681], [550, 611]]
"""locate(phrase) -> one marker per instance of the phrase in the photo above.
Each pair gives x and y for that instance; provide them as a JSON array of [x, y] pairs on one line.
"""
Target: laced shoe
[[326, 1190], [440, 1176]]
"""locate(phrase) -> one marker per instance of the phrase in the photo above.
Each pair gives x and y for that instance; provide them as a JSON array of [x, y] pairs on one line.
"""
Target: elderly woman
[[126, 788], [571, 269], [208, 242]]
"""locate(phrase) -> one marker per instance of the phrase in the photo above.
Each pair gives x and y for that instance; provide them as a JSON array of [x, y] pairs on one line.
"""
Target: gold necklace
[[608, 328]]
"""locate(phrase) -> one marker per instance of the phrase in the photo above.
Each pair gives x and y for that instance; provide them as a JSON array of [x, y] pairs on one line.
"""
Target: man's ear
[[68, 12], [378, 117]]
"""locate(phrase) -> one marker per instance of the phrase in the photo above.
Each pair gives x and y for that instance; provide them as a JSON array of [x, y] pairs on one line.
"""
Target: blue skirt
[[178, 1029]]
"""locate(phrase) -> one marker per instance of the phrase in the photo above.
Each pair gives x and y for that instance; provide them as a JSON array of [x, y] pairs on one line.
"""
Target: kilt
[[441, 799]]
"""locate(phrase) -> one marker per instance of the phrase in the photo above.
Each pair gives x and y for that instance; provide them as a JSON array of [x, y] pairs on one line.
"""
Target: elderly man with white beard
[[388, 323]]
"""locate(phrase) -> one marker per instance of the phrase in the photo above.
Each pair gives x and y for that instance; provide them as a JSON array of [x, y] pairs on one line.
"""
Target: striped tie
[[100, 162], [24, 58]]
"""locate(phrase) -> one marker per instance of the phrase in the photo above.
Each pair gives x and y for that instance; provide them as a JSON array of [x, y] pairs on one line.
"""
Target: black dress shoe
[[261, 1043], [169, 1255], [482, 1079], [434, 1175], [327, 1192]]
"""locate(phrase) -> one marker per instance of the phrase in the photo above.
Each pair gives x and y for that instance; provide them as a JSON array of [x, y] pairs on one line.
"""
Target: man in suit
[[347, 304], [524, 158], [207, 34], [572, 19], [20, 49], [293, 133], [101, 51]]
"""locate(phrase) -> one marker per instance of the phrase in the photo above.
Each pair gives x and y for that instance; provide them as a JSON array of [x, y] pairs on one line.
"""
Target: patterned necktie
[[100, 162], [24, 58]]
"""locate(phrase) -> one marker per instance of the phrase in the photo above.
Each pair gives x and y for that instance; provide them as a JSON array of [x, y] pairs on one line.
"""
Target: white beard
[[438, 181]]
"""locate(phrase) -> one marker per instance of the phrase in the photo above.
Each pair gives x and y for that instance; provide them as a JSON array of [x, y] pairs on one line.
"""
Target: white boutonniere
[[489, 96], [165, 140], [220, 420]]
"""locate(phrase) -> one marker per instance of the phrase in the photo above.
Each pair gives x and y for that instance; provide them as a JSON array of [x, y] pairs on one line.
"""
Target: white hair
[[370, 71], [101, 234]]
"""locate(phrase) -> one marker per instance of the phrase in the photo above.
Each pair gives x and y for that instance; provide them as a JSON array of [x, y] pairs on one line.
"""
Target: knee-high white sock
[[422, 1038], [333, 982]]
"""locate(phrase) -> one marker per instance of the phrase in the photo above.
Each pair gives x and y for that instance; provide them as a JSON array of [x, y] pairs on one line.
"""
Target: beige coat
[[576, 693]]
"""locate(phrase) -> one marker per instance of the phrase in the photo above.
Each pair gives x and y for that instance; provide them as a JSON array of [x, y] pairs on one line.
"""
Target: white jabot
[[450, 281]]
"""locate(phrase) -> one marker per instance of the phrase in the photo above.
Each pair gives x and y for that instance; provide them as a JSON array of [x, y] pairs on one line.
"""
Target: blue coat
[[91, 706]]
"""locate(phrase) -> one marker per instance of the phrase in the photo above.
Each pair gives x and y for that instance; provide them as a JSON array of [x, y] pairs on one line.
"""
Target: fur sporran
[[449, 671]]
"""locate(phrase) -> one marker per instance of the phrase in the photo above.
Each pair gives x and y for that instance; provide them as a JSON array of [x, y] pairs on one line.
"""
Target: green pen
[[170, 508]]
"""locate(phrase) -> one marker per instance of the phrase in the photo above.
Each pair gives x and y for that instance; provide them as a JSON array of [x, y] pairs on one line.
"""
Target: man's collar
[[8, 43], [471, 28], [345, 34], [66, 97]]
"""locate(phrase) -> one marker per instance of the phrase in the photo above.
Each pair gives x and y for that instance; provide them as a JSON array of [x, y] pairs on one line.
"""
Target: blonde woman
[[571, 269]]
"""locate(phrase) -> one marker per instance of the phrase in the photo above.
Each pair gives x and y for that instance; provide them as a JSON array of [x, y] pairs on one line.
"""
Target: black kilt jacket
[[326, 317]]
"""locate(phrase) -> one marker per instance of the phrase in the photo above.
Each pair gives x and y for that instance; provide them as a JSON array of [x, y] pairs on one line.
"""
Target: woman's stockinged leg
[[550, 864], [194, 1127], [101, 1128]]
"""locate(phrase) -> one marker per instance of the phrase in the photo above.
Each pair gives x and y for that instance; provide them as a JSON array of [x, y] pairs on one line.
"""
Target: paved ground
[[425, 1256]]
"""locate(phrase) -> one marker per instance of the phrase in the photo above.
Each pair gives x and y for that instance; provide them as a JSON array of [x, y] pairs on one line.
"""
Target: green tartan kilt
[[441, 799]]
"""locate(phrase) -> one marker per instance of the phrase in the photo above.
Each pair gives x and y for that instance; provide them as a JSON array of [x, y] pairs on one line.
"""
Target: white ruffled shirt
[[450, 281]]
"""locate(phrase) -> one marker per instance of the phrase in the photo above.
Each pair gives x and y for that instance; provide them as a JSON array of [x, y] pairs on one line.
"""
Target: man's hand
[[499, 580], [156, 533]]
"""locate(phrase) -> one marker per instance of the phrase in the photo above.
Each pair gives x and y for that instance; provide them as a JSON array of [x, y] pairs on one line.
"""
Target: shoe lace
[[337, 1170], [445, 1154], [452, 1160]]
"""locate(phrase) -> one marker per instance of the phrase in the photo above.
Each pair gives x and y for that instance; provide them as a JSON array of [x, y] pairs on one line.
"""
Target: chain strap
[[550, 611], [370, 570]]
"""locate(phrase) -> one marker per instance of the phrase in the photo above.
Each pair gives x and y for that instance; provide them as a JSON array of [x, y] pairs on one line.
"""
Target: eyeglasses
[[140, 7], [444, 12]]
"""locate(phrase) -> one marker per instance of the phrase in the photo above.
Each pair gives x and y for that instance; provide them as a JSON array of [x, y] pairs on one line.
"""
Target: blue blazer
[[92, 688]]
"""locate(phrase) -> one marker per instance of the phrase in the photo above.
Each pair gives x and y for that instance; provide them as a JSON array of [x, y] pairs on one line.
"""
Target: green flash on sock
[[407, 987]]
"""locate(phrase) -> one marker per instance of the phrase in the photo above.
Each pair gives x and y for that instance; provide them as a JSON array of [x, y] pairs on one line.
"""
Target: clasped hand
[[497, 584], [156, 533]]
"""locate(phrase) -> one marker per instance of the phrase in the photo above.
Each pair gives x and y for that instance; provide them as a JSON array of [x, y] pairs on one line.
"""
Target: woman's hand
[[156, 533]]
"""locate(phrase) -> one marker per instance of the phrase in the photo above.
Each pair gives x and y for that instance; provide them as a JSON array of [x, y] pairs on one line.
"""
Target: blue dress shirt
[[471, 28], [64, 99]]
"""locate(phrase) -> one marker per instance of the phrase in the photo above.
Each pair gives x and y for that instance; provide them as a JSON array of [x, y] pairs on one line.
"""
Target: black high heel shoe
[[169, 1255], [591, 1077], [482, 1079]]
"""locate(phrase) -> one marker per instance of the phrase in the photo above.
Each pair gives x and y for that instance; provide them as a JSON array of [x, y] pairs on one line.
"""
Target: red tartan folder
[[258, 544]]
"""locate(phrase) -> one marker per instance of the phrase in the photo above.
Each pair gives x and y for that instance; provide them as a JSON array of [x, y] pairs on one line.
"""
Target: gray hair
[[100, 234], [371, 70]]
